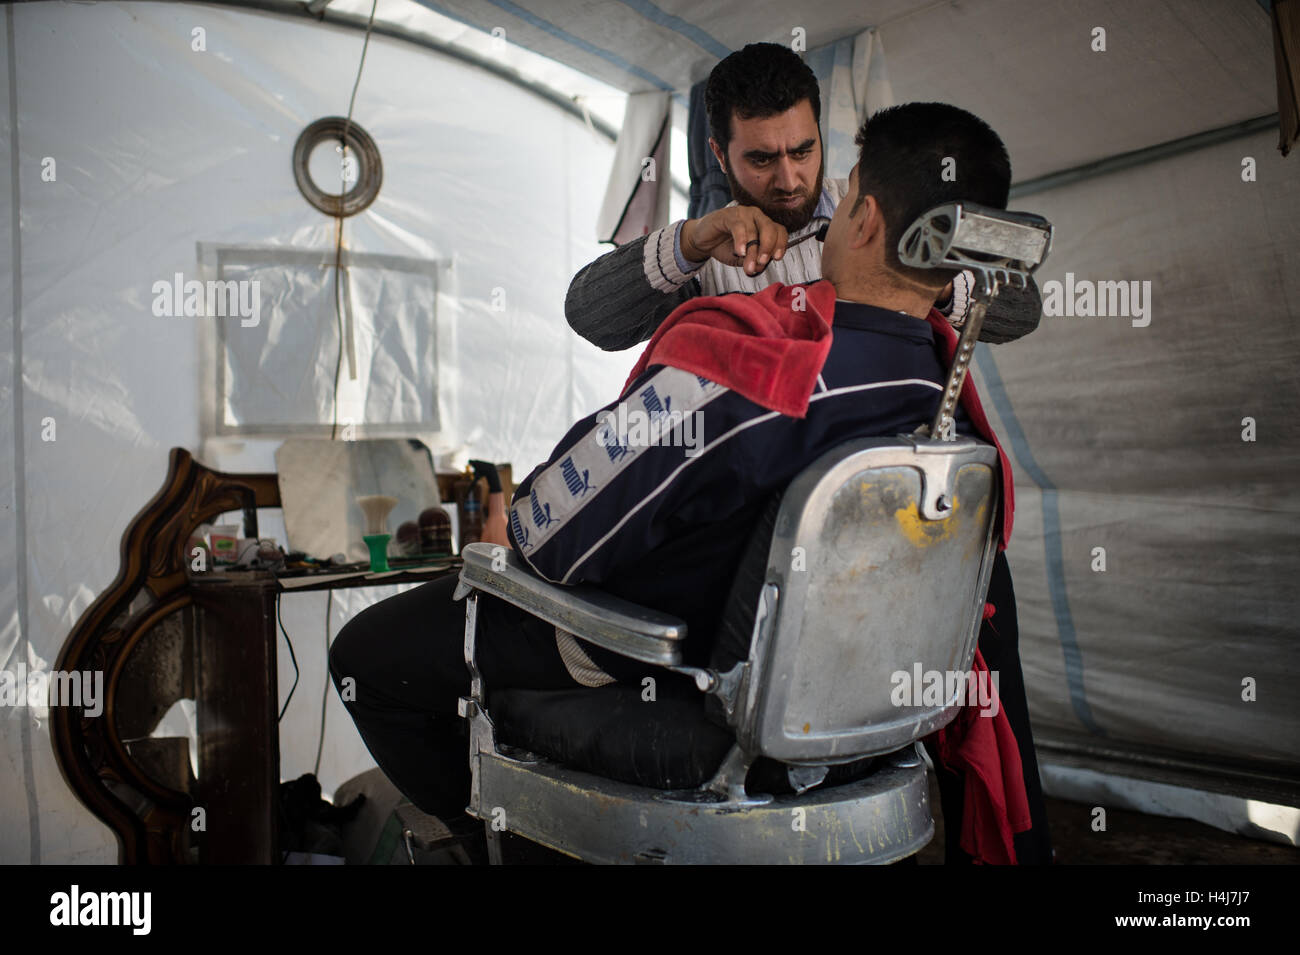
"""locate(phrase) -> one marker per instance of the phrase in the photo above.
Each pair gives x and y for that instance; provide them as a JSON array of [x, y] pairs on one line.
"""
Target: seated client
[[654, 496]]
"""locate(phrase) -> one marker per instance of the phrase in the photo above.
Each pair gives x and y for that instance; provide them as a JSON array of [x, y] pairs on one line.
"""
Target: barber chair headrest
[[999, 247], [992, 243]]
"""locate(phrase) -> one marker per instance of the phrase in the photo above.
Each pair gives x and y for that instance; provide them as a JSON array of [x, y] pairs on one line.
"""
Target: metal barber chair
[[875, 562]]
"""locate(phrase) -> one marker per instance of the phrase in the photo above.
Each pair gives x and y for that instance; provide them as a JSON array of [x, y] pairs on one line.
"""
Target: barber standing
[[763, 107]]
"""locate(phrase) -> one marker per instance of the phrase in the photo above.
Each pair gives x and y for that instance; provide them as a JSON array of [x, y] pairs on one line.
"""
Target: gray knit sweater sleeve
[[1014, 314], [612, 302]]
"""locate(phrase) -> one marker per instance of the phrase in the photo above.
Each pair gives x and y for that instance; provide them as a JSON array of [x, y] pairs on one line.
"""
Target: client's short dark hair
[[761, 80], [901, 161]]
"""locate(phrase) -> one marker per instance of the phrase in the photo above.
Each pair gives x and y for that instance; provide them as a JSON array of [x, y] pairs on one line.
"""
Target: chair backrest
[[876, 579]]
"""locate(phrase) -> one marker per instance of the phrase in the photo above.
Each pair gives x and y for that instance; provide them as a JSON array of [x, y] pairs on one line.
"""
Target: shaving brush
[[375, 508]]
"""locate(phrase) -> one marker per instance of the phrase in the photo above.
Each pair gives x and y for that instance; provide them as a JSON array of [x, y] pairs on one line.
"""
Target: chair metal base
[[877, 820]]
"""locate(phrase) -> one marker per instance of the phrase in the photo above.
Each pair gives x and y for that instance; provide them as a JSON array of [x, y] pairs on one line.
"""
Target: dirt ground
[[1132, 838]]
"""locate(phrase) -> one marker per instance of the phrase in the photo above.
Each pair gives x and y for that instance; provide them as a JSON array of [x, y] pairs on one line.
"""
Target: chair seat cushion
[[610, 731], [667, 743]]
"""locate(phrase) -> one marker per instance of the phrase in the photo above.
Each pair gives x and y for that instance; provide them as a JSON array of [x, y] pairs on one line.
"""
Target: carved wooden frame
[[154, 559]]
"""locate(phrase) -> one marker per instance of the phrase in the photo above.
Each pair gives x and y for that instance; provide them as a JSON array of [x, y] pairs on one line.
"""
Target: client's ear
[[867, 224]]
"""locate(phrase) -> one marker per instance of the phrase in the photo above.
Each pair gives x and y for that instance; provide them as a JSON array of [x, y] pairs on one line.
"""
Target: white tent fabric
[[1128, 437], [665, 44], [1124, 436], [160, 148], [1168, 70]]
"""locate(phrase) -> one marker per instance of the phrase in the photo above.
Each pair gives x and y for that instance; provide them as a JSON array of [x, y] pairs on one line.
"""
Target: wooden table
[[160, 634]]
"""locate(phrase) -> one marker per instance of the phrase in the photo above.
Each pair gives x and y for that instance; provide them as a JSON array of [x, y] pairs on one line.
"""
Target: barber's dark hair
[[761, 80], [901, 161]]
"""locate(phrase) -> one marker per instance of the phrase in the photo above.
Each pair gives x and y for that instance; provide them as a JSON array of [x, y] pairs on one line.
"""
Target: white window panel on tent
[[277, 342]]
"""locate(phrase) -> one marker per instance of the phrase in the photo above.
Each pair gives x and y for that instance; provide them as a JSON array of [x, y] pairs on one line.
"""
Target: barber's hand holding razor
[[734, 235], [495, 530]]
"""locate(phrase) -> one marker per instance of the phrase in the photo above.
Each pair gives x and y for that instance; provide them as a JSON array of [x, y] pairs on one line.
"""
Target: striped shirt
[[800, 265]]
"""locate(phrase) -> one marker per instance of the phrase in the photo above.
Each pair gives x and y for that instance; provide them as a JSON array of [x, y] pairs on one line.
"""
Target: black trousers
[[405, 660], [399, 667], [999, 645]]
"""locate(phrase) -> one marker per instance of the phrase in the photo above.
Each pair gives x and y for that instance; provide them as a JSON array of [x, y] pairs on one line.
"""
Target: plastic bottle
[[469, 509]]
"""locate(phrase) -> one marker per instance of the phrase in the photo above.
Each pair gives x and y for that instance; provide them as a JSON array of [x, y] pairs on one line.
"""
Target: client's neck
[[882, 290]]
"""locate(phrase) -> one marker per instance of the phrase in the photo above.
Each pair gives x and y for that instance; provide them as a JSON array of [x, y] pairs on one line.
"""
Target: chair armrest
[[586, 612]]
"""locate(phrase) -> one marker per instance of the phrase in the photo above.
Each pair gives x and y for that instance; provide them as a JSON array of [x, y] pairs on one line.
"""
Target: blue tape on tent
[[1052, 552], [682, 27], [547, 27]]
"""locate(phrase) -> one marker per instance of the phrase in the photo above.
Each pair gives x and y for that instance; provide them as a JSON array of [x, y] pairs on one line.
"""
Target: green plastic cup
[[378, 544]]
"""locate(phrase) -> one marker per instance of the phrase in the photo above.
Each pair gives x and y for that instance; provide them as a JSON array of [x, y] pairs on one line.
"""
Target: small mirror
[[320, 481]]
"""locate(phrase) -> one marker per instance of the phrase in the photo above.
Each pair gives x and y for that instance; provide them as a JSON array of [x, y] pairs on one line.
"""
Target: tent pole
[[1139, 157], [298, 10]]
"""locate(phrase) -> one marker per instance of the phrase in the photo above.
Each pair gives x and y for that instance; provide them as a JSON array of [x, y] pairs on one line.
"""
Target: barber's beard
[[792, 218]]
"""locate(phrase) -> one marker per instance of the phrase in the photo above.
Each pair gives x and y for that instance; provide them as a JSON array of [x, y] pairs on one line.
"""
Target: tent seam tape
[[1052, 554], [546, 26], [679, 25], [20, 456]]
